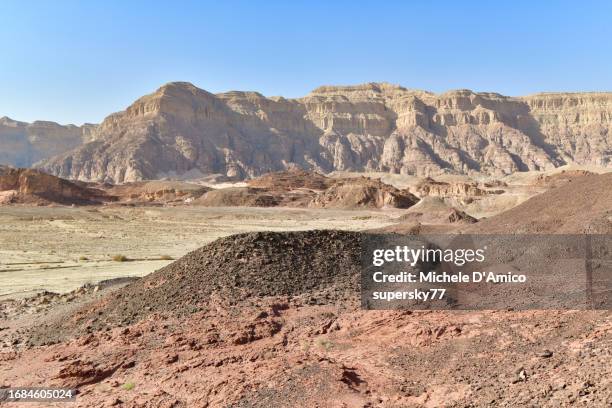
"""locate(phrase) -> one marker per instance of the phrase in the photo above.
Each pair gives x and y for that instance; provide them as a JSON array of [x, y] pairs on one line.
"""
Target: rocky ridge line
[[181, 129]]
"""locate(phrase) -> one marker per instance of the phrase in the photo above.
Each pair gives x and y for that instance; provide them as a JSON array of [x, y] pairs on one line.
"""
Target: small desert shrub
[[83, 258], [128, 386], [120, 258], [326, 344], [166, 258]]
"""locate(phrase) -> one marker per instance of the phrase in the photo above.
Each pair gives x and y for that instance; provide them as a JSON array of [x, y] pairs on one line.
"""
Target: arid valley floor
[[81, 308], [61, 248]]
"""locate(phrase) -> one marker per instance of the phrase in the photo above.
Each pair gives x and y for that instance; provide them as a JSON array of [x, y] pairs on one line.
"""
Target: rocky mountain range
[[23, 144], [181, 130]]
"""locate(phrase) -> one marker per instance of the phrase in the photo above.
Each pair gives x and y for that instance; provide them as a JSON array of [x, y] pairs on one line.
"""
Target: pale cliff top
[[368, 89]]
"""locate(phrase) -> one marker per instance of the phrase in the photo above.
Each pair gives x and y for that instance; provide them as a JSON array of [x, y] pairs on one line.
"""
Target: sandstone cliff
[[429, 187], [373, 127], [23, 144], [34, 187]]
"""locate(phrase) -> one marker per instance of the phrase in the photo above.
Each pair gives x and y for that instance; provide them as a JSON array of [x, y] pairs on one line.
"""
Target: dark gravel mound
[[323, 266], [254, 264]]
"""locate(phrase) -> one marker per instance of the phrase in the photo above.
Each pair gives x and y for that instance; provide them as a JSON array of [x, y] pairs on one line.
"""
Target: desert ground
[[170, 303], [61, 248]]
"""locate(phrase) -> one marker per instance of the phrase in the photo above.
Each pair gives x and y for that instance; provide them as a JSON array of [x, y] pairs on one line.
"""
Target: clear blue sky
[[77, 61]]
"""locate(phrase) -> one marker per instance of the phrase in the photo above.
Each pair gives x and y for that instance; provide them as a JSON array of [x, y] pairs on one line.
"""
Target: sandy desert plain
[[61, 248]]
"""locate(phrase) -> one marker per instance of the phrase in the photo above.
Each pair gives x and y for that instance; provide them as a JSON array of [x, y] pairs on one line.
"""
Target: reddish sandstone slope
[[30, 186], [363, 192]]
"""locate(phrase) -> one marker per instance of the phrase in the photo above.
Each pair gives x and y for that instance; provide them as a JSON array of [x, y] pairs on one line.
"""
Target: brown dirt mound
[[28, 186], [157, 191], [291, 180], [322, 265], [239, 197], [431, 215], [559, 179], [583, 205], [433, 210], [363, 192]]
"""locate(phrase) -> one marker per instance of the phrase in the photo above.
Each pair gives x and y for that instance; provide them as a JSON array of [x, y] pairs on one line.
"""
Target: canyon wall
[[183, 130], [23, 144]]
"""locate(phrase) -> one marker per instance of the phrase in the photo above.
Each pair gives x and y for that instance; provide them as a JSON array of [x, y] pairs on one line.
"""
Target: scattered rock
[[171, 359]]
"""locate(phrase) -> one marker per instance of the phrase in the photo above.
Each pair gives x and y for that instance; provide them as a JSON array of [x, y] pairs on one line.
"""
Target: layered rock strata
[[181, 129]]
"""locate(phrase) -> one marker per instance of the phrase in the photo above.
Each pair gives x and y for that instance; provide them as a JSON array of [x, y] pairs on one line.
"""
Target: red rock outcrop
[[34, 187], [298, 188], [362, 193]]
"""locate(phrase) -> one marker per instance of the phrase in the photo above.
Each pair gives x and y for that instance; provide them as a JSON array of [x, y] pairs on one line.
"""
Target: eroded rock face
[[299, 188], [363, 193], [432, 188], [35, 187], [558, 179], [292, 179], [373, 127], [23, 144]]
